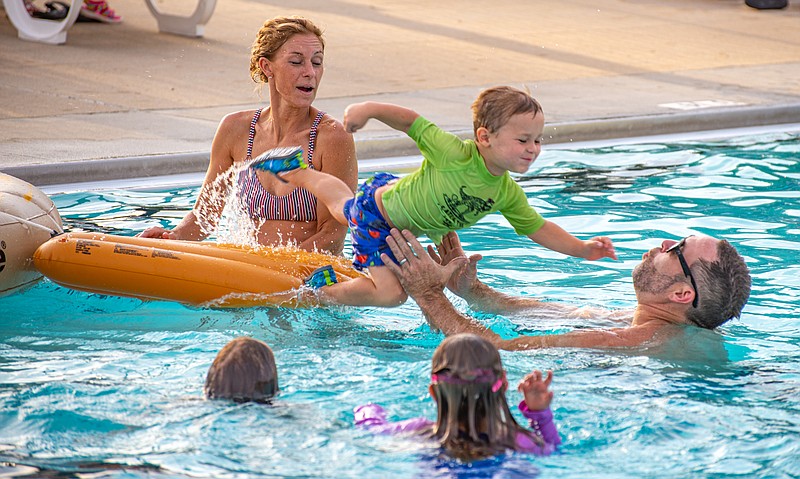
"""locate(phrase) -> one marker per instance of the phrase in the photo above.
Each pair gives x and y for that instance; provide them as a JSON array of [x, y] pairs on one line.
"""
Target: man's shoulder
[[653, 332]]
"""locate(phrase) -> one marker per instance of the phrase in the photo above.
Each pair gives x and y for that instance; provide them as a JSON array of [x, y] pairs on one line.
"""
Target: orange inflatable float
[[195, 273]]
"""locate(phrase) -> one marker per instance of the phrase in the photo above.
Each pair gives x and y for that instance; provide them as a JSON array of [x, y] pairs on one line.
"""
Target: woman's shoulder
[[236, 122], [233, 129], [333, 134], [238, 117], [329, 121], [331, 124]]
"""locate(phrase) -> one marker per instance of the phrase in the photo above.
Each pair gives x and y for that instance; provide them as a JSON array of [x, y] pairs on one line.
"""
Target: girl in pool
[[473, 420], [243, 371]]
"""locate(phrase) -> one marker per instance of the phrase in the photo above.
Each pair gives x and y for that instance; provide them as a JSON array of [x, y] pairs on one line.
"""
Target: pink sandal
[[98, 10]]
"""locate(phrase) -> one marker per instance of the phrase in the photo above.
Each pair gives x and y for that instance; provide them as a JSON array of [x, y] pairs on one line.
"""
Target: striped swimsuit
[[299, 205]]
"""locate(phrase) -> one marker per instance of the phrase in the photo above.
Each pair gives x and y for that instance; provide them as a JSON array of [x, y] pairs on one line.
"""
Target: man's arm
[[424, 280], [443, 316], [590, 338], [465, 283]]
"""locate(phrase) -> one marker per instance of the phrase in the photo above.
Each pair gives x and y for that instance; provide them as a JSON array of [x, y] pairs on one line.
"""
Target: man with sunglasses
[[699, 281]]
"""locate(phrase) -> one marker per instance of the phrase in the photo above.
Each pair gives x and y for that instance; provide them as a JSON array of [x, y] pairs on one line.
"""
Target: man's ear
[[681, 293], [482, 136]]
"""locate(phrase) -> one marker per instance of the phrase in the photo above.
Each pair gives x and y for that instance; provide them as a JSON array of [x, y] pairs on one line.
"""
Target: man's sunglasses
[[676, 248]]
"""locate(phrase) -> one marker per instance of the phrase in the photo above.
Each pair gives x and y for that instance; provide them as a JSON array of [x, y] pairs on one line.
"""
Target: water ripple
[[112, 387]]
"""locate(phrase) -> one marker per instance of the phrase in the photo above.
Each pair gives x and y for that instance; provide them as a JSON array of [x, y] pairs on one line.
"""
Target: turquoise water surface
[[98, 386]]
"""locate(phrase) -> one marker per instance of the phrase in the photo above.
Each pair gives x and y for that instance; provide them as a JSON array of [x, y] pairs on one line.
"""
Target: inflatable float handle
[[53, 233]]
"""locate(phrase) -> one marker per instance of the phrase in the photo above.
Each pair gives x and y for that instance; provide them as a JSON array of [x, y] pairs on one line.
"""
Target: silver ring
[[402, 261]]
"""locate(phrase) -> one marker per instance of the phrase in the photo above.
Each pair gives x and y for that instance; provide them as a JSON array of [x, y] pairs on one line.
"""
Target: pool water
[[97, 386]]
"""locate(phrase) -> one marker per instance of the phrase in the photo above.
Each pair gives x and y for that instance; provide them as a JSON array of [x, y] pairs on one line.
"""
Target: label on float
[[85, 247], [160, 253], [129, 250]]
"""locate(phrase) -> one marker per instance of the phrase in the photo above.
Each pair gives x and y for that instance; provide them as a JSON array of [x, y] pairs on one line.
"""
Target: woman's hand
[[158, 232]]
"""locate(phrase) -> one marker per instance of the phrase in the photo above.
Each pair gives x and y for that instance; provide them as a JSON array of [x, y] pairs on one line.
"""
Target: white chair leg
[[39, 29], [191, 26]]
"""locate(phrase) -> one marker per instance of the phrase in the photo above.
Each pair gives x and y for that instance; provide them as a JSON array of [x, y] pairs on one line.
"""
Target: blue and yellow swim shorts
[[368, 227]]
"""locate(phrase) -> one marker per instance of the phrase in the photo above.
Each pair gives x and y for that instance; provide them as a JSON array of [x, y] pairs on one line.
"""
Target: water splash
[[220, 211]]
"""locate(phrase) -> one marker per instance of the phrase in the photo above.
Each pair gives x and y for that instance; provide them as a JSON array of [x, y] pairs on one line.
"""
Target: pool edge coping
[[399, 145]]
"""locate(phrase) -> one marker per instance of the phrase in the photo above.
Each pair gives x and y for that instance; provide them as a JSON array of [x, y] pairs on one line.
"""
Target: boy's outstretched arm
[[398, 117], [553, 237]]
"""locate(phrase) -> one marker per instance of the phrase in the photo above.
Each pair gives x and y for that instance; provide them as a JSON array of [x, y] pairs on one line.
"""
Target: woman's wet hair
[[271, 37], [244, 370], [473, 418]]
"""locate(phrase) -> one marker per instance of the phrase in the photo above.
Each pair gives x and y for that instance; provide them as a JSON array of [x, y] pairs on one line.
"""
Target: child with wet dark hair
[[473, 419], [244, 370]]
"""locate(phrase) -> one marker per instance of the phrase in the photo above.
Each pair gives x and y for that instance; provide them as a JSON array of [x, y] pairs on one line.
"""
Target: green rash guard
[[453, 189]]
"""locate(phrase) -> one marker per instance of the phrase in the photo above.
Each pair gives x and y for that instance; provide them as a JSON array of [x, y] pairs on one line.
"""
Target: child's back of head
[[244, 370], [468, 383]]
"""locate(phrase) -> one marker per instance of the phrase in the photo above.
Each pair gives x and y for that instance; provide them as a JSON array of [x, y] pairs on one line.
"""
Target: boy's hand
[[599, 247], [535, 390]]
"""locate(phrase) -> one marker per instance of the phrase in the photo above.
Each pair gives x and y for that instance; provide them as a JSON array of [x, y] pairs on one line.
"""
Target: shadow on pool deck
[[121, 101]]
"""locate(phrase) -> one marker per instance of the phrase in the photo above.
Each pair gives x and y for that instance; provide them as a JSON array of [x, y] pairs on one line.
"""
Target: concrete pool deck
[[121, 101]]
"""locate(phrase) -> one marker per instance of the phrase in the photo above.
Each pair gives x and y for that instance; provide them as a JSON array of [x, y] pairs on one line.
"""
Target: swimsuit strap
[[299, 205], [252, 135], [312, 136]]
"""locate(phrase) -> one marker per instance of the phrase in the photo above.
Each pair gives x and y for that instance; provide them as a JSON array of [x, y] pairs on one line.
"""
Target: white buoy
[[28, 218]]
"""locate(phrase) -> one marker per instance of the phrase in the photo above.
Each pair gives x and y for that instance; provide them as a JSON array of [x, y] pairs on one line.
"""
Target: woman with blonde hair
[[287, 56]]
